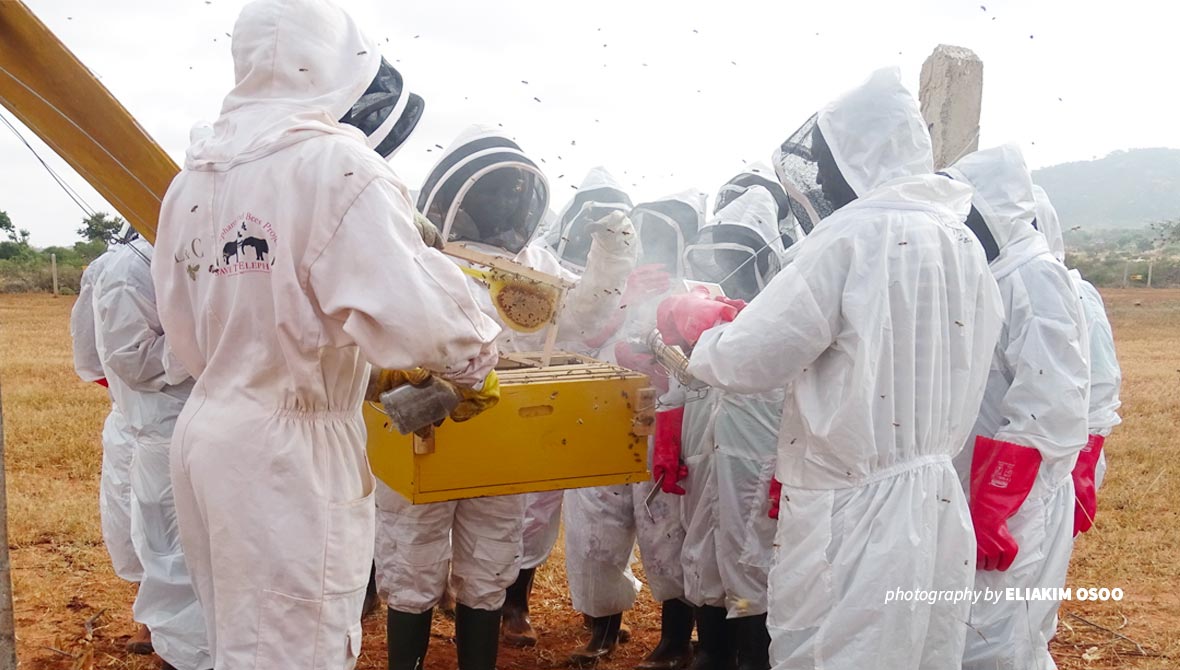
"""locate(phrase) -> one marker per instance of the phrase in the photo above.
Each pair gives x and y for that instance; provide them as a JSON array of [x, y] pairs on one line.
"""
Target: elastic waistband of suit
[[883, 474]]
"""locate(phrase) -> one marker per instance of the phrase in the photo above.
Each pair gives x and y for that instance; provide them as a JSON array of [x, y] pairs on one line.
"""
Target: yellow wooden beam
[[45, 86]]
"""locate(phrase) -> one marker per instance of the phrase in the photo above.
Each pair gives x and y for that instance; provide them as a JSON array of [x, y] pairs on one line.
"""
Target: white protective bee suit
[[114, 492], [1036, 397], [287, 261], [604, 523], [1106, 377], [568, 237], [880, 330], [482, 541], [150, 386], [730, 441]]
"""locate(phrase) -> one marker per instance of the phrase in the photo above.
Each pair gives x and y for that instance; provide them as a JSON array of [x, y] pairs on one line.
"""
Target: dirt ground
[[73, 613]]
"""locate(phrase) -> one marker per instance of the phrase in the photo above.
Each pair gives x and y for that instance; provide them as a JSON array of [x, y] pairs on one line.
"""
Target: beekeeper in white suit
[[1032, 424], [287, 259], [604, 523], [487, 194], [730, 455], [150, 386], [1106, 377], [881, 330], [569, 235], [114, 492]]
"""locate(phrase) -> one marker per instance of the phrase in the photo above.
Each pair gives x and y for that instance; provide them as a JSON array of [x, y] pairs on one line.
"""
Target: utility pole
[[1149, 265], [7, 623], [53, 268]]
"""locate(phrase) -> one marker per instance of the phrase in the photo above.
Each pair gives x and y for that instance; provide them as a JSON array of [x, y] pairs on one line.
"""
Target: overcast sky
[[668, 95]]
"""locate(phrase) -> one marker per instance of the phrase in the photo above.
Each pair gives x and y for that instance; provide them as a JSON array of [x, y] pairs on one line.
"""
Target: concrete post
[[951, 94]]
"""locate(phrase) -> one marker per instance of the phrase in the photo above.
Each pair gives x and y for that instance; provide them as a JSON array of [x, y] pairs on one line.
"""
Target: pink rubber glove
[[646, 281], [682, 318], [665, 457], [776, 494], [1002, 475], [639, 359], [1086, 504]]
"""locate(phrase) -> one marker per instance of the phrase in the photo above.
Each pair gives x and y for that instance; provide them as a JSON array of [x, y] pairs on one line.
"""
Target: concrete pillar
[[951, 94]]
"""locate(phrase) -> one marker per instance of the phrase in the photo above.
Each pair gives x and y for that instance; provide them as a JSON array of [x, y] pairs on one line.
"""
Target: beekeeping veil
[[667, 227], [599, 195], [873, 134], [386, 112], [740, 247], [760, 174], [485, 190]]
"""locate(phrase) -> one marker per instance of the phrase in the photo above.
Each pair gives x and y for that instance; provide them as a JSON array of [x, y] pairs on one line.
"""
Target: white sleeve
[[1046, 404], [595, 299], [135, 348], [781, 332], [403, 303], [1106, 377], [87, 362]]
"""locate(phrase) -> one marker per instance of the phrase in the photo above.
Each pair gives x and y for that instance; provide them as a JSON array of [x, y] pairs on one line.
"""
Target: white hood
[[681, 214], [1003, 190], [876, 133], [299, 65], [1049, 224], [746, 228]]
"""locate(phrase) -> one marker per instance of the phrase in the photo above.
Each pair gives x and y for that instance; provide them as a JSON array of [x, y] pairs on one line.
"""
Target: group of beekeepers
[[894, 384]]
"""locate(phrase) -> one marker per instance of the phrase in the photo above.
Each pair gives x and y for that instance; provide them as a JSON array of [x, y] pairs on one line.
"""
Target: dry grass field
[[72, 612]]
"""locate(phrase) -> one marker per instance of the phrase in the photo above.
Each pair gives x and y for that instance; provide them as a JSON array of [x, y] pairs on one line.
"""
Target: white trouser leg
[[413, 554], [487, 553], [114, 497], [599, 539], [166, 602], [542, 524]]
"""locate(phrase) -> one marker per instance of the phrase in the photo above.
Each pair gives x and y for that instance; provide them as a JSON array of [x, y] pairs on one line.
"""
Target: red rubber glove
[[646, 281], [682, 318], [1002, 474], [640, 359], [102, 382], [1086, 504], [665, 457], [776, 494]]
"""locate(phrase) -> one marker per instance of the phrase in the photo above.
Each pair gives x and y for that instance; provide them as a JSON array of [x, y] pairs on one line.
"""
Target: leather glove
[[1002, 475], [428, 231], [682, 319], [776, 495], [1086, 502], [473, 402], [665, 457]]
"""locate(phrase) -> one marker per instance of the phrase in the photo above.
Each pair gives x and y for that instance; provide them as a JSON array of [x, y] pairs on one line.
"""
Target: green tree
[[100, 226]]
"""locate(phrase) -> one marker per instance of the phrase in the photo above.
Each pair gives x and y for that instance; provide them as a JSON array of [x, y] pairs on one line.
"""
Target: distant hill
[[1127, 189]]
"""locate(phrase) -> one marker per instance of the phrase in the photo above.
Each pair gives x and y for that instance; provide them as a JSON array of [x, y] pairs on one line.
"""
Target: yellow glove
[[391, 379], [473, 402]]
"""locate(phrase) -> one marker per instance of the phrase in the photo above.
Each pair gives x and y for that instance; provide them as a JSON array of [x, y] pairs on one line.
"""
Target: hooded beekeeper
[[603, 524], [118, 446], [150, 386], [486, 194], [881, 331], [729, 442], [288, 260], [1106, 376], [1017, 463]]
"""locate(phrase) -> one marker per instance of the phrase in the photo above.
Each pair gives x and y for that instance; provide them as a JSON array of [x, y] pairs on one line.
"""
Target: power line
[[74, 195]]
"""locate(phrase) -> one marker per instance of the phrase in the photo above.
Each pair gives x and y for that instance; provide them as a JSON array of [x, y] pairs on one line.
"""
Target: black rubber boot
[[752, 641], [604, 637], [371, 599], [714, 651], [518, 630], [406, 638], [675, 648], [477, 637]]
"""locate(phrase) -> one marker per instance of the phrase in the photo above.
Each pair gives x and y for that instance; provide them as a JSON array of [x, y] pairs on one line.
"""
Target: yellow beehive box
[[579, 422]]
